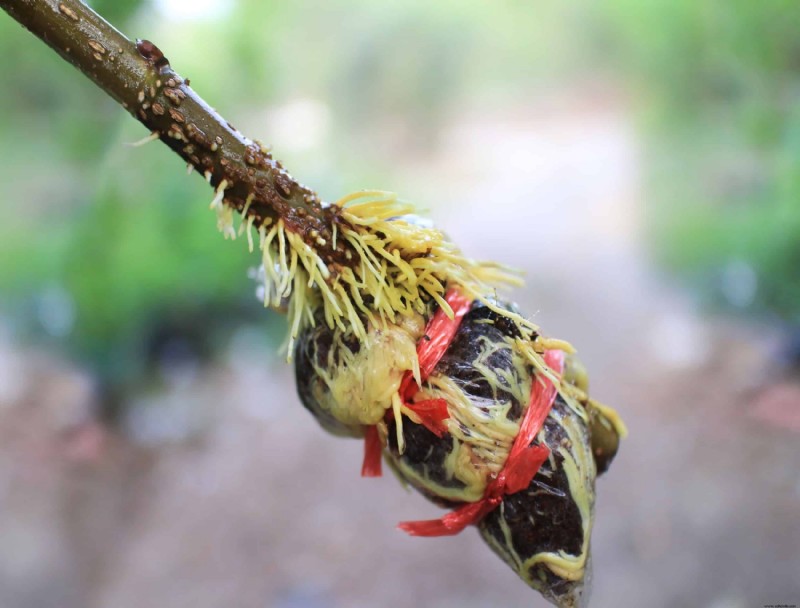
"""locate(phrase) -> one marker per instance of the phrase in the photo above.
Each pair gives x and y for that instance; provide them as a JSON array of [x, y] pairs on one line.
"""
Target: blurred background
[[640, 160]]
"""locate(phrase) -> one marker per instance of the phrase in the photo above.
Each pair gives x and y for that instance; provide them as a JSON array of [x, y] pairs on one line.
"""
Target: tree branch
[[139, 77], [351, 264]]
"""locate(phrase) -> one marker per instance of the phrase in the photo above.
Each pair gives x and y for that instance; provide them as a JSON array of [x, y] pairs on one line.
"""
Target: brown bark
[[139, 77]]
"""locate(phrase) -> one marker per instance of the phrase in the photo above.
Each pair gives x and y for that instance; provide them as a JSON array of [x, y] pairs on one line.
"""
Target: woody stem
[[139, 77]]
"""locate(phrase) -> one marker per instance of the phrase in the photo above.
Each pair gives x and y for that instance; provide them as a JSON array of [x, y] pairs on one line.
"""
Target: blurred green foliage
[[120, 244], [719, 85], [107, 250]]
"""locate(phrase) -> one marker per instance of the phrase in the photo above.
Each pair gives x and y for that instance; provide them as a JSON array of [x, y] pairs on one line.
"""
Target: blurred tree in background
[[110, 253], [120, 267], [720, 86]]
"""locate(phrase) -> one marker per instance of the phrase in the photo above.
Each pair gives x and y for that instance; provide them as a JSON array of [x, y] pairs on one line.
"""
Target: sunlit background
[[639, 159]]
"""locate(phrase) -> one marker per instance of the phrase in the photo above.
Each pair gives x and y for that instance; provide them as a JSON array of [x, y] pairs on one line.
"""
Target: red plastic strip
[[439, 333], [524, 461], [371, 466], [432, 413]]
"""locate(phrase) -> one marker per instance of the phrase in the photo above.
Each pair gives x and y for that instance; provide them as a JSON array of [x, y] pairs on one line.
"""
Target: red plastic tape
[[372, 453], [521, 466], [439, 334]]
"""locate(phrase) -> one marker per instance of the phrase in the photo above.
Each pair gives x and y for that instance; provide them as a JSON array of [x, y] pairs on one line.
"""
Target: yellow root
[[145, 140], [399, 266]]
